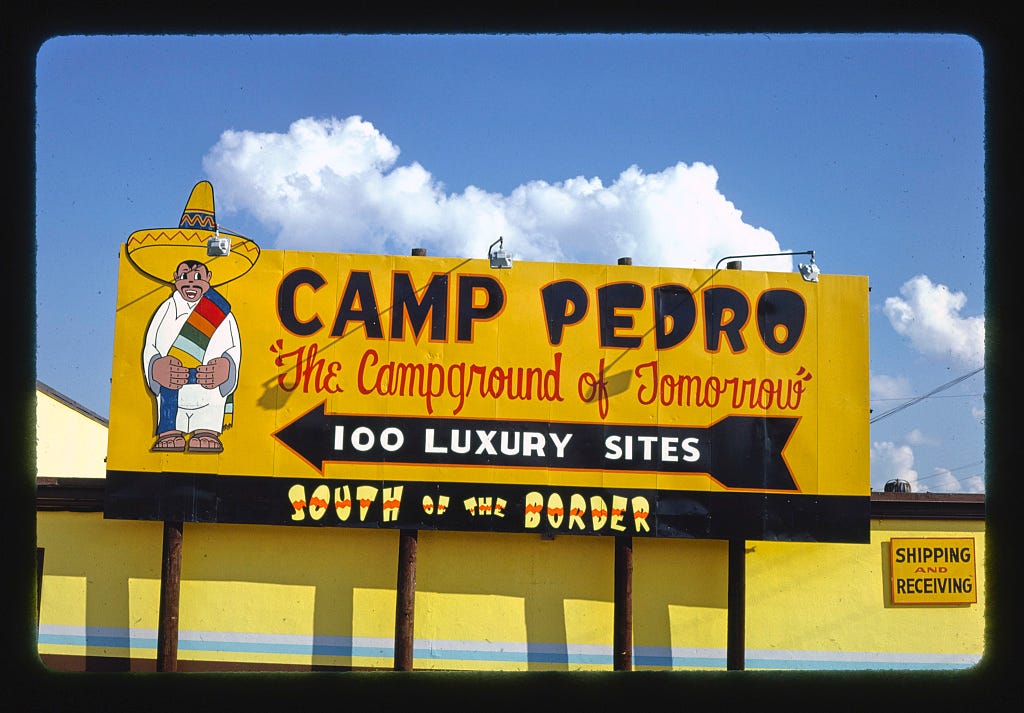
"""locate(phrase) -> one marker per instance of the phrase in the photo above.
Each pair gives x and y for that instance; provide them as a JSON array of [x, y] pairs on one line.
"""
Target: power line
[[949, 472], [947, 396], [918, 399]]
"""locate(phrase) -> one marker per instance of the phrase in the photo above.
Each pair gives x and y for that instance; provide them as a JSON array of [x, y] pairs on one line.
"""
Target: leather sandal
[[205, 442], [169, 442]]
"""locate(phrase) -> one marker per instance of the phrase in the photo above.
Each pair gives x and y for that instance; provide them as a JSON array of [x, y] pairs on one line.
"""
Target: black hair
[[189, 264]]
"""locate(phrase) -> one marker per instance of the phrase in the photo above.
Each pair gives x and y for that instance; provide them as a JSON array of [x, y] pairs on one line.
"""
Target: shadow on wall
[[339, 584]]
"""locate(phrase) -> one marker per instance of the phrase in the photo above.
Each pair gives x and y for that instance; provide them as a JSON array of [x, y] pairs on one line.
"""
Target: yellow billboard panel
[[274, 386]]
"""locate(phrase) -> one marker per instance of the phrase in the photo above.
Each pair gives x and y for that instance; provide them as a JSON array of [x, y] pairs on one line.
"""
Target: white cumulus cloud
[[943, 481], [336, 185], [973, 484], [885, 387], [917, 437], [890, 461], [928, 315]]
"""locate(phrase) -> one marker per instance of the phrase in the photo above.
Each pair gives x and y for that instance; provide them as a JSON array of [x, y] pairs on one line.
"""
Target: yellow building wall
[[72, 445], [326, 596]]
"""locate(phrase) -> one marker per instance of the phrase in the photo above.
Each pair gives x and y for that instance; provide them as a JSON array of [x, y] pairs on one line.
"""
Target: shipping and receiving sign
[[312, 389], [933, 570]]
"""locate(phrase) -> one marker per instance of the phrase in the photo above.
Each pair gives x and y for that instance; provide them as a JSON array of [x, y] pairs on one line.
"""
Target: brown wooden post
[[735, 657], [622, 659], [170, 587], [405, 604], [622, 655], [405, 589], [735, 637]]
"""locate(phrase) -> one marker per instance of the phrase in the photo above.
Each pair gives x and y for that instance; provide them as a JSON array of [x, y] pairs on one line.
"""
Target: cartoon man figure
[[192, 350], [191, 355]]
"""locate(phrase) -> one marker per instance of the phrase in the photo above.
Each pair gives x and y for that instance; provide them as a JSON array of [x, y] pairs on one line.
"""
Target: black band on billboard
[[485, 507]]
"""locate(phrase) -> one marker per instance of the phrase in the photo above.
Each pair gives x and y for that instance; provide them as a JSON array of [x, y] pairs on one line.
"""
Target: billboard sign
[[283, 387]]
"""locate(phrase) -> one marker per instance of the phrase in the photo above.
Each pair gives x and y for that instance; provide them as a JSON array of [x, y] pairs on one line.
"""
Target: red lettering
[[460, 381], [304, 369]]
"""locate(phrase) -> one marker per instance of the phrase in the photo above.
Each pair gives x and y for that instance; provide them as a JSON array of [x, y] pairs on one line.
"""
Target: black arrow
[[738, 451], [746, 452]]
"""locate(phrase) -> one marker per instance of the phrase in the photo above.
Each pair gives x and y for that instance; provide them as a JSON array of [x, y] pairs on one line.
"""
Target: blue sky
[[866, 148]]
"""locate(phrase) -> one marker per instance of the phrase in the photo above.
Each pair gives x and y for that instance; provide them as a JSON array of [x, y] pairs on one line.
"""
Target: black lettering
[[286, 301], [780, 319], [726, 311], [675, 314], [565, 304], [358, 288], [612, 298], [433, 306], [468, 312]]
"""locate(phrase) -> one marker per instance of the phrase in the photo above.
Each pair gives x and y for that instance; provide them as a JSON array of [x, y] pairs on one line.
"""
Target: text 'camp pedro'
[[775, 317]]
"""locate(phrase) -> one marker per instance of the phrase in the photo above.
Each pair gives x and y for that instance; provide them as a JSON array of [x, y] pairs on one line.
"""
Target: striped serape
[[190, 345]]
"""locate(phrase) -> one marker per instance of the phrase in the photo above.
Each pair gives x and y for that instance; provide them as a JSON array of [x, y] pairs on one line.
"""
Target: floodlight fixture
[[809, 271], [500, 259], [218, 245]]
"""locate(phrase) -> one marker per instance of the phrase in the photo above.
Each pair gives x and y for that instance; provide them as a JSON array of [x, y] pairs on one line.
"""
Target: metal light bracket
[[500, 259]]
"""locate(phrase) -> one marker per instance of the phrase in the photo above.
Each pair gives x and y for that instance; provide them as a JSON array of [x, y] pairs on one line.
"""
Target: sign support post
[[405, 590], [736, 654], [405, 599], [623, 636], [170, 587]]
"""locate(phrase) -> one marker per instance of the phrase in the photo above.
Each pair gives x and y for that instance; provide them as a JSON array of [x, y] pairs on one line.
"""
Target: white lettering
[[485, 443], [668, 448], [429, 446], [560, 444]]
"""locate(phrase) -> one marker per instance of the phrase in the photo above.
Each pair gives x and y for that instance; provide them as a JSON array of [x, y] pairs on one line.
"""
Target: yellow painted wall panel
[[487, 601], [680, 593], [850, 591], [63, 600]]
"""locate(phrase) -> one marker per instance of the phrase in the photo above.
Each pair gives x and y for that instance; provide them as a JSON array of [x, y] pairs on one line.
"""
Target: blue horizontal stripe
[[100, 640], [342, 650], [511, 656], [512, 653], [679, 661]]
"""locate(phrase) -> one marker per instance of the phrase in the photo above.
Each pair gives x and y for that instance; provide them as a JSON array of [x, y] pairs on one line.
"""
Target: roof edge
[[71, 403]]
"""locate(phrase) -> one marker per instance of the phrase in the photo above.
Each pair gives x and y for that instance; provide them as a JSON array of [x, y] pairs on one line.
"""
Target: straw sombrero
[[158, 251]]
